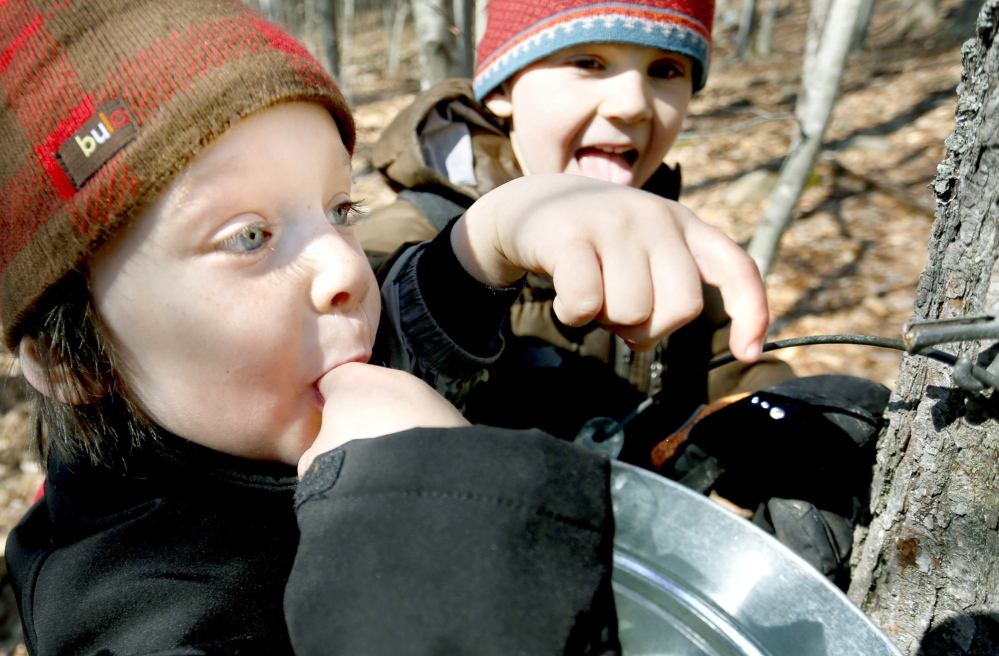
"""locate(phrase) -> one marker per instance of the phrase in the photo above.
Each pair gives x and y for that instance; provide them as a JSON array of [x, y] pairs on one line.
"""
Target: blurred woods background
[[448, 30]]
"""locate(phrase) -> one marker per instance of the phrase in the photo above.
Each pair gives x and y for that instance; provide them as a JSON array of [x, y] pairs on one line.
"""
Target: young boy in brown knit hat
[[181, 283]]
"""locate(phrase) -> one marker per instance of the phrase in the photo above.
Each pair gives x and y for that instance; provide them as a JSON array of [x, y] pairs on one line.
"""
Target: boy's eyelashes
[[256, 235], [346, 213], [667, 70], [587, 63], [664, 69]]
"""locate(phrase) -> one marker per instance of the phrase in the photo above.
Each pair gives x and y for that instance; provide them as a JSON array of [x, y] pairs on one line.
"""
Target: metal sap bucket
[[692, 579]]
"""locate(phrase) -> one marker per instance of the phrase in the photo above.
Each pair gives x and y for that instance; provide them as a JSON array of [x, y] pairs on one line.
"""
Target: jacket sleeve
[[457, 541], [438, 322]]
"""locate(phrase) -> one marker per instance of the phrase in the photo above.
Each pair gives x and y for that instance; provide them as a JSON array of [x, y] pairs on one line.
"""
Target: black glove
[[799, 453]]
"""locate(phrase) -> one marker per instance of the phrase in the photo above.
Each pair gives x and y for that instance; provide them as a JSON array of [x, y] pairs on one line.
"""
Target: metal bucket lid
[[692, 579]]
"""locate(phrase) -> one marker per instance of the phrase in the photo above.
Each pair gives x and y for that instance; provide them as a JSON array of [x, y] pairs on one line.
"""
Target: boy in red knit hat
[[180, 281], [601, 89], [596, 89]]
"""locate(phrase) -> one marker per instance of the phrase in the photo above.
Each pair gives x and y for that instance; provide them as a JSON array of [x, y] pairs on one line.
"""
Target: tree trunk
[[340, 49], [822, 73], [388, 15], [319, 33], [927, 570], [399, 16], [747, 22], [464, 21], [863, 25], [765, 33], [434, 20]]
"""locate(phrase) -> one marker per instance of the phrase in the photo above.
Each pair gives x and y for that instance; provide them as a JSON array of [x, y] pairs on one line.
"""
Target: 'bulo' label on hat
[[107, 132]]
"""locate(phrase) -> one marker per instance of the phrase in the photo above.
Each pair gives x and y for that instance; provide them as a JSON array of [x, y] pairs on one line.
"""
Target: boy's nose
[[341, 275], [627, 97]]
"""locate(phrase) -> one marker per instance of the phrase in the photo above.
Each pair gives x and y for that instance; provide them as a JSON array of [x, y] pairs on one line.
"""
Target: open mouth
[[610, 163]]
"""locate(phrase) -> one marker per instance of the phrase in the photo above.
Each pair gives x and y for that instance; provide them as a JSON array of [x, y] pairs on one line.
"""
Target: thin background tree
[[830, 33]]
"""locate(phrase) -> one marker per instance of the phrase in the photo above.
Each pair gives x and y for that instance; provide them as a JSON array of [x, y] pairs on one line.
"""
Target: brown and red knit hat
[[103, 101], [521, 32]]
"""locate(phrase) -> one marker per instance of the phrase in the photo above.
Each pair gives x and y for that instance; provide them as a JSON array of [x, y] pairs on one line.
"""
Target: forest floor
[[851, 261]]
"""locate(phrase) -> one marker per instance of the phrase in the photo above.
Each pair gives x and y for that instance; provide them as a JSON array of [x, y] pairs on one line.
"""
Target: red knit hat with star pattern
[[521, 32], [103, 101]]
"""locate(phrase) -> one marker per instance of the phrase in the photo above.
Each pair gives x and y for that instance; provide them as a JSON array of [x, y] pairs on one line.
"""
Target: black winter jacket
[[432, 541]]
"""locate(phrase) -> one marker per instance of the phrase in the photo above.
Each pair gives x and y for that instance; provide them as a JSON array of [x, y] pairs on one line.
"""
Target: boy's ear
[[57, 384], [498, 101]]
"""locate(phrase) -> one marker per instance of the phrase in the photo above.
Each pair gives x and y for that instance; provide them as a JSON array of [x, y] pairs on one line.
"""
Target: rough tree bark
[[928, 569], [962, 18]]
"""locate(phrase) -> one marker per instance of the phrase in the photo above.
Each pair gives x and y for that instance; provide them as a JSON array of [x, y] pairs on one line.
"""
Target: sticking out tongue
[[599, 164]]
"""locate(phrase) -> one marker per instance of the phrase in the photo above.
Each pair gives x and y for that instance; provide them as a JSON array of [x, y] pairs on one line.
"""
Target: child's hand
[[364, 401], [626, 258]]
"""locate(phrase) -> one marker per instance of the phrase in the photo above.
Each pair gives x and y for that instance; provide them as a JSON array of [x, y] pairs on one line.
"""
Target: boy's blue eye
[[339, 215], [345, 213], [250, 238]]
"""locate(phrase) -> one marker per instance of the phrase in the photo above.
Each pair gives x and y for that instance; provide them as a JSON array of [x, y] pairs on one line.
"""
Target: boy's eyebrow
[[226, 176], [669, 54], [192, 204], [226, 173]]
